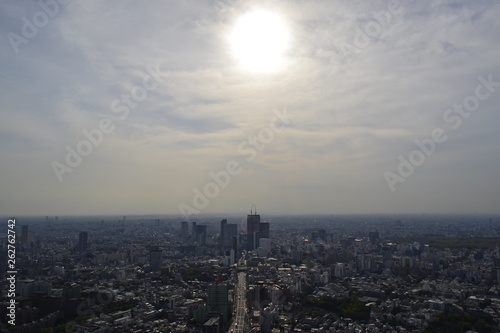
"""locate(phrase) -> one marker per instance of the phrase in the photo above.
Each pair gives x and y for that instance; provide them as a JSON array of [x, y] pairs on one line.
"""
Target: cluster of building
[[295, 274]]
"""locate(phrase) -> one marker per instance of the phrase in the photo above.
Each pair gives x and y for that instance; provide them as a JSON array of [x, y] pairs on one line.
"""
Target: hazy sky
[[323, 129]]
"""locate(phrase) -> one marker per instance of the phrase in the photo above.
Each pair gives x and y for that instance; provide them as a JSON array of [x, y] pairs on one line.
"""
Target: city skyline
[[175, 108], [325, 274]]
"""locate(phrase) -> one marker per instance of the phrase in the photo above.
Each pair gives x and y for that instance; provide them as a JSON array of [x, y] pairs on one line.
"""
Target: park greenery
[[348, 307]]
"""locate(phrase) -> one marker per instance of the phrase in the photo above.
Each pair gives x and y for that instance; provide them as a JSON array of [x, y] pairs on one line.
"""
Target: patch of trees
[[349, 307]]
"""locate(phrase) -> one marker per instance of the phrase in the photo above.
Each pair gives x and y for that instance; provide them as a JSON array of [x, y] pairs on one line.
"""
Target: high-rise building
[[264, 230], [184, 229], [223, 224], [82, 241], [253, 227], [155, 258], [230, 231], [193, 229], [218, 300], [200, 234], [234, 245]]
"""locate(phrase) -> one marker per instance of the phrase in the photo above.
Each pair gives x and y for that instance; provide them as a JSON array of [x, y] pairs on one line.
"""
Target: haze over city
[[187, 107]]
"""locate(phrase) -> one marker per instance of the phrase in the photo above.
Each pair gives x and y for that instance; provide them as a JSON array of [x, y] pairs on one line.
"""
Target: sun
[[259, 41]]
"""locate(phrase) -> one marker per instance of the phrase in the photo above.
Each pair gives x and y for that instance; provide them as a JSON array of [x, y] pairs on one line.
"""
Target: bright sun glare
[[259, 41]]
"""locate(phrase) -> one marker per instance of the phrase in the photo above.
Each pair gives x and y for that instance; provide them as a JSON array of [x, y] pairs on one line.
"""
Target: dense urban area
[[254, 273]]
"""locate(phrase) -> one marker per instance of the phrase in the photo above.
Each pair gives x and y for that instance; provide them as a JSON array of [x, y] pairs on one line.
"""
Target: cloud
[[354, 113]]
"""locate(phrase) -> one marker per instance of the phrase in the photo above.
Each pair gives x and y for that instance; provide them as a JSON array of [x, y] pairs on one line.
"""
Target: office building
[[218, 300], [184, 229], [253, 227], [264, 230], [155, 254], [264, 247], [234, 245], [193, 229], [230, 231], [200, 234], [223, 224]]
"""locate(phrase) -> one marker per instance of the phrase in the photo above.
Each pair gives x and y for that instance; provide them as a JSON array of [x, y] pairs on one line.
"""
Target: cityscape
[[237, 166], [256, 273]]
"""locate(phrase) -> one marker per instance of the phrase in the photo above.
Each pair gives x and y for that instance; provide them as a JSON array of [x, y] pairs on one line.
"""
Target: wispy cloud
[[354, 116]]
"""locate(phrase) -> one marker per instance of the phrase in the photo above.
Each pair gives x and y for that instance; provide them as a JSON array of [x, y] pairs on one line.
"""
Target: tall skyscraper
[[230, 231], [223, 224], [253, 227], [264, 242], [82, 241]]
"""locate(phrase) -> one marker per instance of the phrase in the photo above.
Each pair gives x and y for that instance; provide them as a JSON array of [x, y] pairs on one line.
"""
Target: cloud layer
[[364, 80]]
